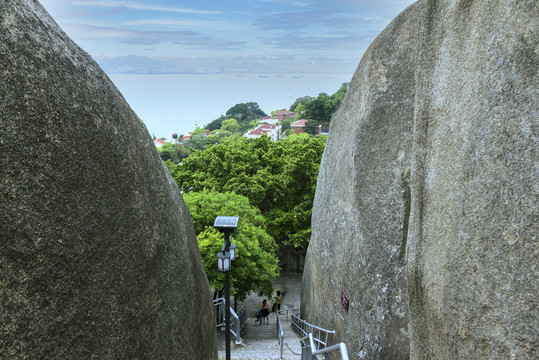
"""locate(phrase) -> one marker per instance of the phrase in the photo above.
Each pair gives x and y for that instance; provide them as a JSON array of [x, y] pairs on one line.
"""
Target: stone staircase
[[260, 342]]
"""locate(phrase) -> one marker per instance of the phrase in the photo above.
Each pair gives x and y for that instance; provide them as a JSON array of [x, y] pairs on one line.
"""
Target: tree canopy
[[301, 100], [256, 264], [320, 108], [230, 125], [311, 127], [173, 152], [246, 112], [278, 178], [216, 124]]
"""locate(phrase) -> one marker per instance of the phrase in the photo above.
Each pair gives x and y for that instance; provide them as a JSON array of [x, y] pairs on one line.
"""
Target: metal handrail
[[338, 347], [218, 310], [280, 332], [294, 311], [238, 320], [303, 328]]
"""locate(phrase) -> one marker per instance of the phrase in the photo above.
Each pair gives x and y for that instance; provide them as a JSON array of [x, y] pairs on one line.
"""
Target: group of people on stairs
[[264, 311]]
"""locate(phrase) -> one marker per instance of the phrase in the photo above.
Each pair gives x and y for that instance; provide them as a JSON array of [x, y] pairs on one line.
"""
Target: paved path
[[260, 342]]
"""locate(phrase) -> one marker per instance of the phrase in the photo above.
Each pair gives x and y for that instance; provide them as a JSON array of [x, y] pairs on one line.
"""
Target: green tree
[[217, 136], [302, 100], [338, 97], [216, 124], [166, 152], [311, 127], [173, 152], [230, 125], [285, 124], [256, 264], [321, 109], [196, 142], [181, 152], [300, 112], [279, 178], [198, 139], [254, 123], [289, 217], [246, 112]]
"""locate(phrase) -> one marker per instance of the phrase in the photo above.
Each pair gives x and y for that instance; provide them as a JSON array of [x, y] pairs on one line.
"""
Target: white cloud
[[220, 25], [144, 7], [138, 37], [285, 2]]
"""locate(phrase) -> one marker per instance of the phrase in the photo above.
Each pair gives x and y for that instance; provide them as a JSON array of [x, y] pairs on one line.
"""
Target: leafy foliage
[[320, 108], [311, 127], [173, 152], [246, 112], [300, 112], [245, 115], [216, 124], [278, 178], [230, 125], [301, 100], [285, 124], [256, 264]]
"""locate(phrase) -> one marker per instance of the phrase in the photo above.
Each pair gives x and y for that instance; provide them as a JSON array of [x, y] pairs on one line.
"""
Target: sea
[[178, 103]]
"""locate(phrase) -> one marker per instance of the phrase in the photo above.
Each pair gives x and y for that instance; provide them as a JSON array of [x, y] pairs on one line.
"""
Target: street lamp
[[223, 261], [232, 252], [227, 225]]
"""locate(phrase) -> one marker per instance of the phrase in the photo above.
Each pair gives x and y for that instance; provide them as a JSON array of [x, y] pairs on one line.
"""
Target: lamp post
[[227, 225]]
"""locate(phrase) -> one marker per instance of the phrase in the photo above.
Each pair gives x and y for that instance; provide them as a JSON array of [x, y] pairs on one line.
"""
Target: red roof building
[[159, 142], [272, 130], [299, 126], [187, 137], [283, 114]]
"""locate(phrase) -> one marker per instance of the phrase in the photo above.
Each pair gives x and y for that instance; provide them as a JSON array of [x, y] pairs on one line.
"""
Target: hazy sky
[[283, 35]]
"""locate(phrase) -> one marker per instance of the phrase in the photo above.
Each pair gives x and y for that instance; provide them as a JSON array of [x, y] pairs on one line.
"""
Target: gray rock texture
[[98, 255], [426, 209]]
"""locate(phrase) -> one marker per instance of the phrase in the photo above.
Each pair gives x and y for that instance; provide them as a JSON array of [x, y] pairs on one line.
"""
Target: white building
[[272, 130]]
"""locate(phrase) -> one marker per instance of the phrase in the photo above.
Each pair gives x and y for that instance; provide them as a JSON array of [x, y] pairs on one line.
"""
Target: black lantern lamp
[[223, 261], [232, 252]]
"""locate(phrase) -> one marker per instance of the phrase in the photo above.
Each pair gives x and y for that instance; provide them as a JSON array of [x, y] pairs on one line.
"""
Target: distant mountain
[[248, 67], [134, 64]]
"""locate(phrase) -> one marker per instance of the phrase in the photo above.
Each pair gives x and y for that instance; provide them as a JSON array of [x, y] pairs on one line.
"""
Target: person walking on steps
[[263, 313], [278, 299]]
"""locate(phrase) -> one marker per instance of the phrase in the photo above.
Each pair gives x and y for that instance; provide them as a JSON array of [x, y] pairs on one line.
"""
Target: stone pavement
[[260, 342]]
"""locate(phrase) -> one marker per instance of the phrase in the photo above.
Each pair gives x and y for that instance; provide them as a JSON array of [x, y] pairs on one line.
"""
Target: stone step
[[260, 342]]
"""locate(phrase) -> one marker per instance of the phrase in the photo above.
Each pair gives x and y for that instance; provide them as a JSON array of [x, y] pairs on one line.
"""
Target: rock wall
[[98, 255], [426, 208]]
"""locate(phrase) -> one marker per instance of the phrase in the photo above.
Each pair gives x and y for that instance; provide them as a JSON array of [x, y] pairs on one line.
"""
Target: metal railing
[[237, 320], [280, 332], [318, 338], [288, 312], [302, 328], [308, 353]]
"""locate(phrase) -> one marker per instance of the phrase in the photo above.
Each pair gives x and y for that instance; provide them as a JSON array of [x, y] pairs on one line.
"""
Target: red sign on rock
[[345, 301]]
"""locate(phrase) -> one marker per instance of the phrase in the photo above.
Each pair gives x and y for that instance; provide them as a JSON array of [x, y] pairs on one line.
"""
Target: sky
[[218, 36]]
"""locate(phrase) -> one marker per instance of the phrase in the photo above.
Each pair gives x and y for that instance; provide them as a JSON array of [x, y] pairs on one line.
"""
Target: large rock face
[[427, 199], [98, 256]]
